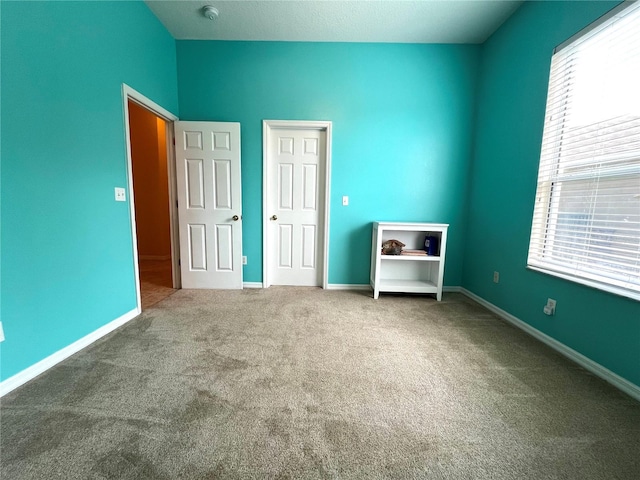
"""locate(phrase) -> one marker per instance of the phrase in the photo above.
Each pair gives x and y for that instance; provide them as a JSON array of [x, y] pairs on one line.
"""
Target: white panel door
[[295, 169], [209, 204]]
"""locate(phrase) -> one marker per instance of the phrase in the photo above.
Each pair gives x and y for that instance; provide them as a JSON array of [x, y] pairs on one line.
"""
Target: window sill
[[622, 292]]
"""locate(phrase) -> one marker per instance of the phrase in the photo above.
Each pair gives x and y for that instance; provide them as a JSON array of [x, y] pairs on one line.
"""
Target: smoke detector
[[210, 12]]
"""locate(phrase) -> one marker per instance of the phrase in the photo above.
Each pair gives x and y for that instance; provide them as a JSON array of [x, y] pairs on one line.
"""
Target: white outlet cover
[[121, 196]]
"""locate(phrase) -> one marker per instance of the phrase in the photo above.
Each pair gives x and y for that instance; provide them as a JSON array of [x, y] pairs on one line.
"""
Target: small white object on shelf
[[410, 273]]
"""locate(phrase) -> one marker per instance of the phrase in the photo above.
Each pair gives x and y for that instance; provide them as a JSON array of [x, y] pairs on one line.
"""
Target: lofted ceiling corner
[[374, 21]]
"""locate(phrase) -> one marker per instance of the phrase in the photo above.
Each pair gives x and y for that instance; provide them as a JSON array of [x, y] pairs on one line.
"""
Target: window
[[586, 221]]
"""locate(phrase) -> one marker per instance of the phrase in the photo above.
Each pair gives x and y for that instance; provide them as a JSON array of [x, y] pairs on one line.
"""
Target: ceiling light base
[[210, 12]]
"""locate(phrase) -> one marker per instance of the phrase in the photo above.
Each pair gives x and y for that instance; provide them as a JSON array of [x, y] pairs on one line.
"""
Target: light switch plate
[[121, 196], [345, 200]]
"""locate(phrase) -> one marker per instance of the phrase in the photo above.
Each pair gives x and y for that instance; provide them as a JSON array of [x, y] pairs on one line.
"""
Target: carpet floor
[[303, 383]]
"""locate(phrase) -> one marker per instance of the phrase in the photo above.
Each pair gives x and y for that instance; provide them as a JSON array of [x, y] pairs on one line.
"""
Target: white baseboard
[[45, 364], [348, 286], [607, 375], [331, 286], [154, 257], [358, 286]]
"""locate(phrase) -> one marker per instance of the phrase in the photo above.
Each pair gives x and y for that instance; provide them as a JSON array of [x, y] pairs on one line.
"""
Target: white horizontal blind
[[586, 222]]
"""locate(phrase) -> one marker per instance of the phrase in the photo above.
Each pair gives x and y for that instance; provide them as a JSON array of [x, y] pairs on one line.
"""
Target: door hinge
[[176, 203], [174, 141], [179, 264]]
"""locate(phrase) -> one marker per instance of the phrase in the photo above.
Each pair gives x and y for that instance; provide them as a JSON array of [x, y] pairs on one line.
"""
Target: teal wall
[[511, 104], [67, 265], [402, 131], [405, 118]]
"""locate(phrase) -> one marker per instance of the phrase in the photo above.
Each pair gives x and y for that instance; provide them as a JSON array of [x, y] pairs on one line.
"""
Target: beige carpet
[[303, 383]]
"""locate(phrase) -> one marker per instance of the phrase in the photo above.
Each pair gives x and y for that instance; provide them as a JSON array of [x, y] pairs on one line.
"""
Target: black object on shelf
[[431, 245]]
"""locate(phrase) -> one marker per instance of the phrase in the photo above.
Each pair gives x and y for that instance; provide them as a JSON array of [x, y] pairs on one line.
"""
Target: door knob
[[235, 218], [274, 217]]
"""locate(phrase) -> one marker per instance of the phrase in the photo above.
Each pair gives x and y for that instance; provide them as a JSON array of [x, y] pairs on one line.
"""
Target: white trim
[[154, 257], [149, 104], [365, 286], [595, 24], [265, 263], [45, 364], [604, 373], [327, 200], [129, 93], [348, 286], [173, 206], [322, 125], [583, 280]]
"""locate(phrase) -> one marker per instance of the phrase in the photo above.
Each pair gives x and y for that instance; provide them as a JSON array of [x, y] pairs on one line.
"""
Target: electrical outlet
[[120, 194], [550, 307], [244, 259], [496, 277]]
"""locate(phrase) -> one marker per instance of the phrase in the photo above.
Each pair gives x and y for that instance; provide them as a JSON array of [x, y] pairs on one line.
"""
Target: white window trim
[[560, 270], [623, 292]]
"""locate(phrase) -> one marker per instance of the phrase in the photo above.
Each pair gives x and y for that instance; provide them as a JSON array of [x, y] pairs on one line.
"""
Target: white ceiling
[[386, 21]]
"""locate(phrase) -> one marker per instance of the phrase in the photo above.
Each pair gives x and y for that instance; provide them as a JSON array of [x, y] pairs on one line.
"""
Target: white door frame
[[267, 127], [129, 93]]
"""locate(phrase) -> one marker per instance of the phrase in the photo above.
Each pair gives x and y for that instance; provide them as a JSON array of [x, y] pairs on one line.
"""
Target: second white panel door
[[296, 206]]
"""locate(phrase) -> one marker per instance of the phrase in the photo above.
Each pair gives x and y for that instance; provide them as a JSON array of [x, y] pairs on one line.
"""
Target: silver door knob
[[235, 218], [274, 217]]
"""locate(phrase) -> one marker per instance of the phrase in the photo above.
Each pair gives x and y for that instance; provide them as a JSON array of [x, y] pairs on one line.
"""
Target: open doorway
[[158, 118], [150, 175]]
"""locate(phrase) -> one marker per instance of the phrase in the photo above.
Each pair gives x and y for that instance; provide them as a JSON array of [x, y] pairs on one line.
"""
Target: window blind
[[586, 221]]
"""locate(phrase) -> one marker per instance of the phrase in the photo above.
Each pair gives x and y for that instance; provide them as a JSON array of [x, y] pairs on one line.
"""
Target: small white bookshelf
[[408, 273]]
